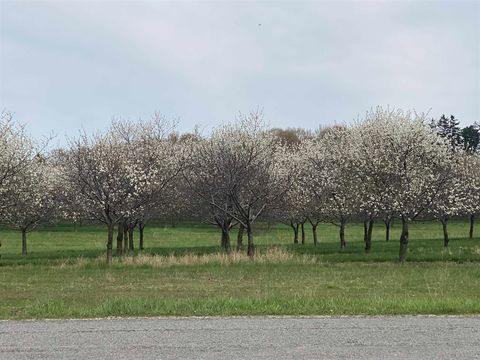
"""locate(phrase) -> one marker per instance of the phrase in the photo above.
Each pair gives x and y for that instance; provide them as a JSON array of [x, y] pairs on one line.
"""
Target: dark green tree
[[471, 138], [449, 129]]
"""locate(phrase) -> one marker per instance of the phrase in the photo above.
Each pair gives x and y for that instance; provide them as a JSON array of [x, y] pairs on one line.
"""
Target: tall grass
[[273, 255]]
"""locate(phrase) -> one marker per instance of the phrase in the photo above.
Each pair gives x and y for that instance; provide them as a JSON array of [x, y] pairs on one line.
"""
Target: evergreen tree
[[448, 128], [471, 138]]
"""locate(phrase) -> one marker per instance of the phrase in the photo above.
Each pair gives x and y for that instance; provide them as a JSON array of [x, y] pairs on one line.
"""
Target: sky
[[66, 66]]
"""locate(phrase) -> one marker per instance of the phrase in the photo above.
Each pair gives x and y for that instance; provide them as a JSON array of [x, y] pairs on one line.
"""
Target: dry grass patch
[[273, 255]]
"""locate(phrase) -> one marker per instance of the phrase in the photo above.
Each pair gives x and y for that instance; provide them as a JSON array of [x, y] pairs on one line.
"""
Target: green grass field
[[182, 273]]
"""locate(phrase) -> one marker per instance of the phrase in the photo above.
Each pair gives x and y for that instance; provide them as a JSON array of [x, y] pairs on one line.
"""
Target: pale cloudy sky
[[66, 65]]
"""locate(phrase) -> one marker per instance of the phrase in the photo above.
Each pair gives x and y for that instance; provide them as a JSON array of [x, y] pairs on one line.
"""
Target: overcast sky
[[66, 65]]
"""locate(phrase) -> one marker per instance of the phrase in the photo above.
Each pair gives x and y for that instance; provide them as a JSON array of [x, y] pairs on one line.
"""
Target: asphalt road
[[418, 337]]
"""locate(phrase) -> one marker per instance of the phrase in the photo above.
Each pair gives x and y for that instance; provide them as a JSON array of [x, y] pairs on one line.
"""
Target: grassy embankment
[[182, 273]]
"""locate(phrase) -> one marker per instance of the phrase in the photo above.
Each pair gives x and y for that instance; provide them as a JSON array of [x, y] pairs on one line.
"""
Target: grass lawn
[[182, 273]]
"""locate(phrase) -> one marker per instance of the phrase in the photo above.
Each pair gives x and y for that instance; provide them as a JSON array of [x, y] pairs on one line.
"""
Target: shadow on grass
[[421, 250]]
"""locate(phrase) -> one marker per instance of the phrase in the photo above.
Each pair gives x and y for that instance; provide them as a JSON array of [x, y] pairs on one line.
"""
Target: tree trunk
[[368, 242], [445, 232], [131, 246], [303, 232], [141, 226], [387, 222], [226, 239], [240, 238], [110, 243], [295, 231], [404, 240], [222, 238], [314, 232], [472, 220], [250, 249], [119, 240], [125, 238], [24, 242], [343, 244], [365, 230]]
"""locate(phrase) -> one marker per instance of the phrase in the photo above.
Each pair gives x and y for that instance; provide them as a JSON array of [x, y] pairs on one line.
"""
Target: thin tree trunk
[[227, 225], [302, 224], [110, 243], [119, 240], [343, 244], [125, 238], [131, 246], [24, 242], [365, 230], [294, 226], [240, 238], [141, 226], [251, 248], [368, 242], [404, 240], [314, 232], [445, 232], [387, 222], [472, 220]]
